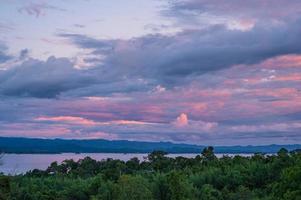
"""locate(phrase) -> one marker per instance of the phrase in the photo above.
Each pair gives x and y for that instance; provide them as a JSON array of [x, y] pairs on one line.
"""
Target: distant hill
[[34, 145]]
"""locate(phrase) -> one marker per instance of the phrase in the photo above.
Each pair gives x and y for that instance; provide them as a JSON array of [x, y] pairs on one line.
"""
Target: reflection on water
[[21, 163]]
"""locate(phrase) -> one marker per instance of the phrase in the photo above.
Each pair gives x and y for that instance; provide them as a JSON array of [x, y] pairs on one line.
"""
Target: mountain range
[[37, 145]]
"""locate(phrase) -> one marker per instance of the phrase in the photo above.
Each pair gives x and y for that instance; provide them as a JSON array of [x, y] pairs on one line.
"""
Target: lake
[[21, 163]]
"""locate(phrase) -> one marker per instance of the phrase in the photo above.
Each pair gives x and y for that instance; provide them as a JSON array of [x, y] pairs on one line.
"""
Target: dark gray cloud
[[38, 9], [3, 53], [24, 53], [4, 57], [261, 10], [139, 64], [42, 79], [193, 52], [108, 88], [50, 78], [86, 42], [293, 116]]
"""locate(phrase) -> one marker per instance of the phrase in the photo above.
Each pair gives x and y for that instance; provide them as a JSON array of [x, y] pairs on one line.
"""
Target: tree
[[133, 187], [132, 165], [4, 183], [272, 177], [209, 193], [289, 187], [158, 160], [282, 152], [161, 188], [156, 155], [1, 157], [179, 187], [208, 154], [4, 187], [242, 193]]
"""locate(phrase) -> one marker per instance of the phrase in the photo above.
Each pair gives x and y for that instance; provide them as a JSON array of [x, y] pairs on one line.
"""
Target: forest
[[159, 177]]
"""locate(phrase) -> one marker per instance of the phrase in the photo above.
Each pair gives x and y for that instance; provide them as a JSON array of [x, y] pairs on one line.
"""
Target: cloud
[[182, 120], [38, 9], [79, 25], [3, 53], [97, 135], [33, 130], [233, 10], [4, 57], [195, 126], [6, 27], [216, 114], [209, 75], [282, 61], [59, 76], [68, 120], [277, 127], [44, 79], [142, 63], [82, 41], [170, 59], [87, 122], [24, 53]]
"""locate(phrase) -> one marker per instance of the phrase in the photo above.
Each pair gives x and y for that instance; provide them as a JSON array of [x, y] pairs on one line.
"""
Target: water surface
[[21, 163]]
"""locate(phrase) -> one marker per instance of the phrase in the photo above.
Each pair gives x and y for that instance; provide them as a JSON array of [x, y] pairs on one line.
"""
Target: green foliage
[[161, 189], [100, 189], [4, 187], [205, 177], [179, 187], [133, 187], [208, 192], [289, 186], [159, 161], [208, 154]]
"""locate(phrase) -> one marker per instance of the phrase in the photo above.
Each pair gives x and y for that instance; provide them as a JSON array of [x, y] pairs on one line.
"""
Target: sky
[[207, 72]]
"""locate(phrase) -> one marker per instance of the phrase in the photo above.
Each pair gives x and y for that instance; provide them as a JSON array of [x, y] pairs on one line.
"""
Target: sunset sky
[[208, 72]]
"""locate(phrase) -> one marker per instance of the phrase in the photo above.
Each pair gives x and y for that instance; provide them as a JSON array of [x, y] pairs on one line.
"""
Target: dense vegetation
[[205, 177]]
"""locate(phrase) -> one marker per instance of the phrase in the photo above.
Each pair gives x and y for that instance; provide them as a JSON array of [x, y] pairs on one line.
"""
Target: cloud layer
[[224, 73]]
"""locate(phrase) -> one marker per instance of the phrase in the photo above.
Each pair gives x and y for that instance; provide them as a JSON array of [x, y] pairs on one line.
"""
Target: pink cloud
[[278, 92], [98, 135], [128, 122], [243, 24], [68, 120], [34, 130], [86, 122], [290, 77], [182, 120], [291, 60], [266, 127]]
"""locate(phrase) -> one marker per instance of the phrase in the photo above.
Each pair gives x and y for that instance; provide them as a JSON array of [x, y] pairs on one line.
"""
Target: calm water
[[21, 163]]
